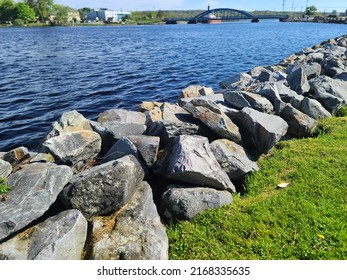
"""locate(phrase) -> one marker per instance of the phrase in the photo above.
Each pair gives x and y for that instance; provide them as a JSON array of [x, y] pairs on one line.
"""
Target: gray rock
[[123, 123], [34, 189], [104, 189], [285, 93], [148, 147], [334, 66], [5, 169], [191, 91], [69, 122], [73, 148], [217, 98], [258, 102], [233, 158], [134, 233], [122, 116], [61, 237], [108, 138], [297, 80], [262, 130], [315, 57], [269, 91], [300, 125], [190, 159], [175, 113], [331, 93], [235, 99], [16, 156], [206, 91], [123, 147], [237, 82], [310, 107], [311, 70], [342, 76], [184, 203], [210, 114], [42, 157]]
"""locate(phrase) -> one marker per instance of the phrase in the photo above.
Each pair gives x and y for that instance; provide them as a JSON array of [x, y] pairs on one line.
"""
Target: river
[[46, 71]]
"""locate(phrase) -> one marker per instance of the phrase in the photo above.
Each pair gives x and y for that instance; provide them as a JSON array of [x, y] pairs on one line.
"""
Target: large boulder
[[310, 107], [297, 80], [70, 121], [238, 82], [233, 158], [104, 189], [300, 125], [35, 187], [331, 93], [73, 148], [184, 203], [210, 114], [242, 99], [16, 156], [311, 69], [134, 233], [123, 122], [262, 131], [123, 147], [269, 91], [190, 159], [61, 237]]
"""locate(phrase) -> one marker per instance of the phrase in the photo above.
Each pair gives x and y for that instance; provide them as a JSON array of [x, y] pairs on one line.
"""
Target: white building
[[106, 15]]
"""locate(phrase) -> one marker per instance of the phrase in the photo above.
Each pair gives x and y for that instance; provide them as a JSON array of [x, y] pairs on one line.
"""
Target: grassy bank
[[306, 220]]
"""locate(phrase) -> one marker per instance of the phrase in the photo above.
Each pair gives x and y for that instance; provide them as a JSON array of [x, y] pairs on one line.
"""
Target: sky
[[248, 5]]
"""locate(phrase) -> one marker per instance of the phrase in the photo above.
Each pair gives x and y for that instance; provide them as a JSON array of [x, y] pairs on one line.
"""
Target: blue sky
[[249, 5]]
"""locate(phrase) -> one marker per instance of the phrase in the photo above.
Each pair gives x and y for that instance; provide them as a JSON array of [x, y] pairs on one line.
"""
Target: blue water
[[46, 71]]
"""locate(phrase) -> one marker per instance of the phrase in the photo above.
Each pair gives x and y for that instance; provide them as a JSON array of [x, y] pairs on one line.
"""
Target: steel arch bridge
[[225, 14]]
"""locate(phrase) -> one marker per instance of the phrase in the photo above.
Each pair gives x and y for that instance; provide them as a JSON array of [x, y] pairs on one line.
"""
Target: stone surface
[[331, 93], [300, 125], [311, 69], [233, 158], [238, 82], [123, 147], [73, 148], [310, 107], [190, 159], [262, 130], [217, 98], [297, 80], [104, 189], [147, 147], [70, 121], [134, 233], [206, 91], [210, 114], [61, 237], [5, 169], [184, 203], [107, 136], [16, 155], [269, 91], [42, 157], [191, 91], [34, 189]]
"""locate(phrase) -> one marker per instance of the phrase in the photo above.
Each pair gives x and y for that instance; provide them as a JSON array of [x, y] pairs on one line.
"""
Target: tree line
[[28, 11]]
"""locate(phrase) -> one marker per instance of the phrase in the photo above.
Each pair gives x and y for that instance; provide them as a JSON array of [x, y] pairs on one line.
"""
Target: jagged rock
[[123, 122], [206, 91], [16, 156], [242, 99], [34, 189], [146, 106], [210, 114], [107, 137], [134, 233], [147, 146], [264, 75], [184, 203], [104, 189], [269, 91], [73, 148], [191, 91], [342, 76], [285, 92], [71, 121], [311, 70], [300, 124], [297, 80], [262, 130], [334, 66], [237, 82], [123, 147], [217, 98], [233, 158], [333, 51], [331, 93], [310, 107], [190, 159], [175, 113], [315, 57], [152, 116], [61, 237], [5, 169], [42, 157]]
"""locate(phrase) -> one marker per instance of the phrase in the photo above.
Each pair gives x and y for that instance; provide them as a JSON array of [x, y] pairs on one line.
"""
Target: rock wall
[[103, 189]]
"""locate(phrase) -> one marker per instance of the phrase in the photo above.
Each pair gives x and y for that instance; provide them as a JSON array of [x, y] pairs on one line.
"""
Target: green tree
[[60, 14], [310, 11], [23, 11], [7, 10], [83, 11], [43, 8]]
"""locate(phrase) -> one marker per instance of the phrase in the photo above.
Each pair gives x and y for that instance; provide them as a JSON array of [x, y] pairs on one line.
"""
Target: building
[[105, 15]]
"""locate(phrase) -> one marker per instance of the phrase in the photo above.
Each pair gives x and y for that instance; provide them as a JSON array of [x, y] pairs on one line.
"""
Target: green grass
[[306, 220]]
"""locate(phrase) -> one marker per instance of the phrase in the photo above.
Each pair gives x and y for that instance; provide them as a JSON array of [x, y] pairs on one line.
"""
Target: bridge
[[224, 14]]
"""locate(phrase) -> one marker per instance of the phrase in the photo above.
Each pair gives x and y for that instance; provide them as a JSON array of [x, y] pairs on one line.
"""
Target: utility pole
[[283, 5]]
